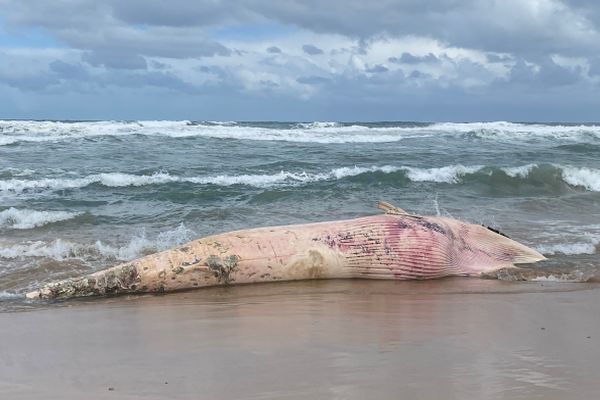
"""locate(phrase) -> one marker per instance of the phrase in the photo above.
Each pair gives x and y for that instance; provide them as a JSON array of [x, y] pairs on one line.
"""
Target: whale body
[[393, 245]]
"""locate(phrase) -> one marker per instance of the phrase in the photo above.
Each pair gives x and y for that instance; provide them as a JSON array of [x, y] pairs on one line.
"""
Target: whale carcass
[[392, 245]]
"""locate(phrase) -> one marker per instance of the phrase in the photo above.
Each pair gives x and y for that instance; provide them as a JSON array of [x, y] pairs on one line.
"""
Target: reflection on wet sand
[[454, 338]]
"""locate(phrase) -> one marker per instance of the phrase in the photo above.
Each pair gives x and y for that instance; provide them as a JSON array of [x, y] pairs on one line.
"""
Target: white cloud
[[338, 51]]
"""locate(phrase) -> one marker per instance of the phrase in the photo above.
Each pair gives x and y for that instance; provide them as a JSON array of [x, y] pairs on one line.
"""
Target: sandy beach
[[451, 338]]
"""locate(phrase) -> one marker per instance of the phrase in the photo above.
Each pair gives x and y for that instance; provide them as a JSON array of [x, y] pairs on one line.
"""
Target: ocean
[[79, 196]]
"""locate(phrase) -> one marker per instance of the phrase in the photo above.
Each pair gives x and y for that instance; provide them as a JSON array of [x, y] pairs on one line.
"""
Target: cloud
[[28, 82], [445, 54], [115, 60], [311, 49], [65, 70], [407, 58], [312, 80], [377, 69], [514, 26], [274, 50], [518, 26], [175, 13], [595, 68]]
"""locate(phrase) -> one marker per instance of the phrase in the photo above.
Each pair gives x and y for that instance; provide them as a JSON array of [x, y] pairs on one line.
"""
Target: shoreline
[[311, 339]]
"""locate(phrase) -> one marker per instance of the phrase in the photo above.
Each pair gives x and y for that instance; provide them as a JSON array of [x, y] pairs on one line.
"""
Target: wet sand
[[450, 339]]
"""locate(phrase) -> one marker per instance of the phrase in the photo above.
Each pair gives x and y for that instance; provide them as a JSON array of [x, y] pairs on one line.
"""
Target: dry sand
[[445, 339]]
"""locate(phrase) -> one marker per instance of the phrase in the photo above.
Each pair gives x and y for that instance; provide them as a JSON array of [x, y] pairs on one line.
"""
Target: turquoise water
[[80, 196]]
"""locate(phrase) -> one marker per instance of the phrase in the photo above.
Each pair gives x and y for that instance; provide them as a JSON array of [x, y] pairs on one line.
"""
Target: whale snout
[[486, 250]]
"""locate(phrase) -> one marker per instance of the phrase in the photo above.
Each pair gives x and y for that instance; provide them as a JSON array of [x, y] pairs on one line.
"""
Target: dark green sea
[[80, 196]]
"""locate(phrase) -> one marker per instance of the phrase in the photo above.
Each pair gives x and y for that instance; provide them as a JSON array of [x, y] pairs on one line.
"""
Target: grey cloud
[[543, 74], [512, 26], [311, 49], [158, 79], [377, 69], [68, 71], [159, 42], [176, 12], [123, 37], [267, 84], [36, 83], [214, 70], [119, 60], [508, 26], [407, 58], [495, 58], [96, 27], [312, 80], [552, 74], [158, 65], [274, 50], [595, 67], [522, 72], [418, 75], [123, 78]]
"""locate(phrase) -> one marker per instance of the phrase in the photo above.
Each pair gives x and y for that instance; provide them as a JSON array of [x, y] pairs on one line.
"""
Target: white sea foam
[[15, 218], [17, 171], [567, 248], [318, 124], [57, 249], [138, 245], [575, 276], [586, 177], [515, 131], [575, 176], [42, 131], [588, 247], [115, 179], [447, 174], [519, 172], [315, 132], [118, 179]]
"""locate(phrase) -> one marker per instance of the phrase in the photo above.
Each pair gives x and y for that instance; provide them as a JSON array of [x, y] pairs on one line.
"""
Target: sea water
[[79, 196]]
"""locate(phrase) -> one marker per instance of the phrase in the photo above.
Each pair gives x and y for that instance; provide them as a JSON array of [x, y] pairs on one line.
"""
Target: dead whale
[[393, 245]]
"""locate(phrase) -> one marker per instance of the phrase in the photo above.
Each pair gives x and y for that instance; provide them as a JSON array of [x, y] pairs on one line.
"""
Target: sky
[[301, 60]]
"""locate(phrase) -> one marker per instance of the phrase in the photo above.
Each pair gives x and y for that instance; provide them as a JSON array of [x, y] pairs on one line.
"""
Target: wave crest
[[138, 245], [14, 218], [584, 177], [12, 132], [448, 174]]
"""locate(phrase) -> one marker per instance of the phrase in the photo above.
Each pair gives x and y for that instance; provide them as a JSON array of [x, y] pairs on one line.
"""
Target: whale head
[[478, 249]]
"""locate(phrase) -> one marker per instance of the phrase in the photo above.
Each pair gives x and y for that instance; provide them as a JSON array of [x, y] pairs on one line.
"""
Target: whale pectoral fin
[[390, 208]]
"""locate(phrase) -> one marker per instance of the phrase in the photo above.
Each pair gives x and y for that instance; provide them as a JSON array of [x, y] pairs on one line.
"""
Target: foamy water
[[80, 196], [12, 132], [136, 246], [586, 178], [26, 219]]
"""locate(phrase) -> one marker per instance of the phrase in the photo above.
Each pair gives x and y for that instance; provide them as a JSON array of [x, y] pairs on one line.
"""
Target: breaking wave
[[588, 247], [118, 179], [14, 218], [448, 174], [583, 177], [138, 245], [12, 132], [44, 131]]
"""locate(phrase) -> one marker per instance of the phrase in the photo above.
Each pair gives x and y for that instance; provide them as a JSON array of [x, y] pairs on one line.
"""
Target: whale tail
[[122, 278]]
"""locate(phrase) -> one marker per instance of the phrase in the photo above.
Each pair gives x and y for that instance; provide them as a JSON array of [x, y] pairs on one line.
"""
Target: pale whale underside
[[393, 245]]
